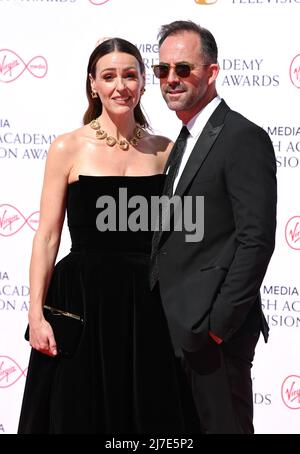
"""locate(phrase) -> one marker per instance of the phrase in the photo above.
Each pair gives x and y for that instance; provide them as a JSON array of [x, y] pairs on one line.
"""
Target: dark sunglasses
[[162, 70]]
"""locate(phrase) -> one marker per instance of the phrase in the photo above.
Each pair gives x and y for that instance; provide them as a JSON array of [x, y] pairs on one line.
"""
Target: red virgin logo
[[290, 392], [295, 71], [98, 2], [10, 372], [12, 66], [292, 233], [12, 220]]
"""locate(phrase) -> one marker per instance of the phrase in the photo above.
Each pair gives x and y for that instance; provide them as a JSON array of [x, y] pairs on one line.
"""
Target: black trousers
[[217, 386]]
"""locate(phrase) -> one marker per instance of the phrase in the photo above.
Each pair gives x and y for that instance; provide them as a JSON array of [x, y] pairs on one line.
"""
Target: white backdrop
[[44, 50]]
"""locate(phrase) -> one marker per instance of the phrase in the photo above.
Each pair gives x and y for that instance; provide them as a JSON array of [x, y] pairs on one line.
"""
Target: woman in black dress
[[117, 374]]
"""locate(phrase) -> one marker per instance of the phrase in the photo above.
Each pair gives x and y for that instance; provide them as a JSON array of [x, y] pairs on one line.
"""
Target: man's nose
[[172, 77]]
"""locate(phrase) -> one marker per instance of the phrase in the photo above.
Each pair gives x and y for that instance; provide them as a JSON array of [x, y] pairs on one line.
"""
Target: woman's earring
[[94, 94]]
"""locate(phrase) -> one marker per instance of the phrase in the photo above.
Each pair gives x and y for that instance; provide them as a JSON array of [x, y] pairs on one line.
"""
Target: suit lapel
[[202, 147]]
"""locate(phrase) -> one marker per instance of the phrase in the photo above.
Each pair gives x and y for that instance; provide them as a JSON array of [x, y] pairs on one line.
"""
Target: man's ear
[[213, 72]]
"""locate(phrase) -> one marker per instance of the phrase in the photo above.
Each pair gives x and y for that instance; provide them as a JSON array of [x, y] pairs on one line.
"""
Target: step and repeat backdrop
[[44, 50]]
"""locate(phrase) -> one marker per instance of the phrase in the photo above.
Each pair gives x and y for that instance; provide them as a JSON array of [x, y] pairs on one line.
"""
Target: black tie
[[173, 164]]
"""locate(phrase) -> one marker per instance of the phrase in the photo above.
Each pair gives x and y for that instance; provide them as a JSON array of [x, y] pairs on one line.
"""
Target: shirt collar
[[197, 123]]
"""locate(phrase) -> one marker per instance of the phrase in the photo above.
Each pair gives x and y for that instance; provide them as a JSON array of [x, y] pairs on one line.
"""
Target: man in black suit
[[210, 288]]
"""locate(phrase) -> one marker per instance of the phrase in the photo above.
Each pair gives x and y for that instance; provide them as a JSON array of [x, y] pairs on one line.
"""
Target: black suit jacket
[[214, 283]]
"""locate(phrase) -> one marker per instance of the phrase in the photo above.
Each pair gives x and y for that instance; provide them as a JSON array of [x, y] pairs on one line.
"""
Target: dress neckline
[[96, 177]]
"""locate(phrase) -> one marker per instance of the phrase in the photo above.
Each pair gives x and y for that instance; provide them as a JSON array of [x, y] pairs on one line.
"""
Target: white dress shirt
[[195, 127]]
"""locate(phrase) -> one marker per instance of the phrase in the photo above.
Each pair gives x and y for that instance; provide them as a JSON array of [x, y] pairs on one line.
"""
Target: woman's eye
[[131, 76], [107, 77]]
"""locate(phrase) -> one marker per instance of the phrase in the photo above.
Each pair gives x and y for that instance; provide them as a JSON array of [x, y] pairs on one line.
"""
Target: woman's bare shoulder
[[158, 143], [68, 142]]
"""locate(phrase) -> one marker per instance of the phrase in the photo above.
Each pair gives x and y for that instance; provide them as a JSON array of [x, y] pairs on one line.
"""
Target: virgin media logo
[[98, 2], [292, 233], [10, 372], [295, 71], [290, 392], [12, 220], [12, 66]]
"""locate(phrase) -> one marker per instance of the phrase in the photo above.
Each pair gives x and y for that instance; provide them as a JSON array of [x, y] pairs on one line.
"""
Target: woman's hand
[[41, 335]]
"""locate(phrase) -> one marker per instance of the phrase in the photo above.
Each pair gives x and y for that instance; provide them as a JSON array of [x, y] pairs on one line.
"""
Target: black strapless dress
[[122, 378]]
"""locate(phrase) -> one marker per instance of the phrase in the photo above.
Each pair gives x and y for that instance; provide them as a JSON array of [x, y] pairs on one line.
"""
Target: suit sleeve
[[250, 175]]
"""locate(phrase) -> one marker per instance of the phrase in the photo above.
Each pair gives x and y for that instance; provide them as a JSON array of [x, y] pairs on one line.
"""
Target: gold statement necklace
[[111, 141]]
